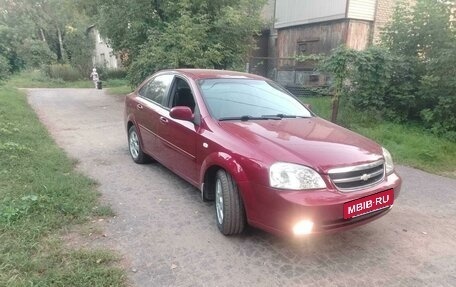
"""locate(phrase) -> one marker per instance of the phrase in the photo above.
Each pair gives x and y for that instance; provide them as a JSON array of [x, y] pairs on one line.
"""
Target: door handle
[[164, 120], [139, 107]]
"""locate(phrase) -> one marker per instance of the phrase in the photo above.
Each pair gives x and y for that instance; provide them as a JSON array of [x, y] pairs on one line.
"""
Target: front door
[[179, 137]]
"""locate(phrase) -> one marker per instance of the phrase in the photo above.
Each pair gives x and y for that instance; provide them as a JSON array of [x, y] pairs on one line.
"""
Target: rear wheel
[[229, 208], [134, 146]]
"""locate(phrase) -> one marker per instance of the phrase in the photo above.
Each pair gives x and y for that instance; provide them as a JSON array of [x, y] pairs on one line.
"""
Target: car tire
[[134, 147], [229, 209]]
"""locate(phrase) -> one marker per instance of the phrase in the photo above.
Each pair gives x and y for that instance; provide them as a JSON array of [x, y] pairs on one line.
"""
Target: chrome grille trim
[[356, 167], [357, 177]]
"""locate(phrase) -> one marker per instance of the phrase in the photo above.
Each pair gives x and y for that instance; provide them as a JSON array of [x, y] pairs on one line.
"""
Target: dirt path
[[170, 238]]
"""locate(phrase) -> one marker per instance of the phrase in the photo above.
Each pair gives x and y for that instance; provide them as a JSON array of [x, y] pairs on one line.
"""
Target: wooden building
[[316, 27]]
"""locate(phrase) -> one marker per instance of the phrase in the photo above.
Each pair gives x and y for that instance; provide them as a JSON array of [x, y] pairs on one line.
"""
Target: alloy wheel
[[219, 201], [134, 144]]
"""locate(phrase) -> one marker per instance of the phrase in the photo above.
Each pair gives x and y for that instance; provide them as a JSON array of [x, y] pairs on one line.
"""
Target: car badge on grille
[[365, 177]]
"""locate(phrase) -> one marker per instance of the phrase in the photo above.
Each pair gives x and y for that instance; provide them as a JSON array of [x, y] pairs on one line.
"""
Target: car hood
[[309, 141]]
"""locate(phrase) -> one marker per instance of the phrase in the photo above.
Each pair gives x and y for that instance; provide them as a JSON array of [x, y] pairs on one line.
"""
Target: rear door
[[152, 99]]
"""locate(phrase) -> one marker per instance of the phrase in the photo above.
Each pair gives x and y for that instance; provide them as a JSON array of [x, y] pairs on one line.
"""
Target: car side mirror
[[181, 113]]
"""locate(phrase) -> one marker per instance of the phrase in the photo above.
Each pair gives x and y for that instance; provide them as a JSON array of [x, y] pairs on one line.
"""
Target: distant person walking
[[95, 77]]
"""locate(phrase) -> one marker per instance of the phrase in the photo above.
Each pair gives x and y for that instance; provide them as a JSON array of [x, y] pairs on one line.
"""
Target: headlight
[[389, 165], [293, 176]]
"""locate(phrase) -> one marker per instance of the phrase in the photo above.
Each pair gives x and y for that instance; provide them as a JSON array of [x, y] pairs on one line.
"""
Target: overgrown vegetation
[[424, 37], [63, 72], [410, 144], [40, 197], [409, 78]]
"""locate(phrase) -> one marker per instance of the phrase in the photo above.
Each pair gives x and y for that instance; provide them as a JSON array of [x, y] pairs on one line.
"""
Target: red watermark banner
[[368, 204]]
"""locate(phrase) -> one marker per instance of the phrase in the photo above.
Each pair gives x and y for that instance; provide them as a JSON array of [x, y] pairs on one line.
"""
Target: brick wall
[[385, 9]]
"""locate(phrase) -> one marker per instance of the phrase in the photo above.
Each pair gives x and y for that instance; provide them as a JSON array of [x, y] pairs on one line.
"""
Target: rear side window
[[157, 88]]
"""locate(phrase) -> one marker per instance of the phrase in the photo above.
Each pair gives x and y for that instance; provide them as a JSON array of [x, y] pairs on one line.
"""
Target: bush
[[383, 84], [79, 47], [4, 68], [110, 74], [36, 53], [63, 72], [425, 34], [399, 88]]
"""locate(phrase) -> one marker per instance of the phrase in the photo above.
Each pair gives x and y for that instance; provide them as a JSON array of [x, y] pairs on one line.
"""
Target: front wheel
[[134, 147], [229, 208]]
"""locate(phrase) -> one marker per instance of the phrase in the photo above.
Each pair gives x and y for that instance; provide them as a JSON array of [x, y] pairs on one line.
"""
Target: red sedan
[[265, 159]]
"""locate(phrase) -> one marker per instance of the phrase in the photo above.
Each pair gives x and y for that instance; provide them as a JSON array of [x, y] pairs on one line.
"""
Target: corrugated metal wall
[[362, 9], [298, 12]]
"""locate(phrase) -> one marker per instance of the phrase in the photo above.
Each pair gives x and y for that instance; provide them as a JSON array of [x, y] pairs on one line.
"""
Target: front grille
[[357, 177]]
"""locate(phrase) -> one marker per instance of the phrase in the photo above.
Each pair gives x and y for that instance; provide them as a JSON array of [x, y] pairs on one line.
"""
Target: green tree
[[425, 35], [38, 32], [12, 30], [79, 47], [35, 53], [340, 66], [4, 68], [186, 33]]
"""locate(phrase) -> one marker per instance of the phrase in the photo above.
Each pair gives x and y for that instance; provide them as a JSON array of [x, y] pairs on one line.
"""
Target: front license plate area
[[368, 204]]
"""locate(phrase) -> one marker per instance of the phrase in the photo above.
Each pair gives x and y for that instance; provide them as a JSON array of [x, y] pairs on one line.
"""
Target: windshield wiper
[[248, 118], [284, 116]]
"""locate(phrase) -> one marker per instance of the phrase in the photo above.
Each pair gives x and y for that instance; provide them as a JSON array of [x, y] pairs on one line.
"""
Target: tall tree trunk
[[60, 43], [335, 107], [43, 38]]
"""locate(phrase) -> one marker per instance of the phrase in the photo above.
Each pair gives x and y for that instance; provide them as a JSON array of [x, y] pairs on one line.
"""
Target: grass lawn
[[120, 90], [35, 79], [408, 144], [42, 198]]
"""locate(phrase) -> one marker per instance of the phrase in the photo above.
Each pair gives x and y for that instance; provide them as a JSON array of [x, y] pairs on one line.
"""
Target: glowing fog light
[[303, 227]]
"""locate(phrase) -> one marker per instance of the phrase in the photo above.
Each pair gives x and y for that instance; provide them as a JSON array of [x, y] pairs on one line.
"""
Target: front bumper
[[277, 211]]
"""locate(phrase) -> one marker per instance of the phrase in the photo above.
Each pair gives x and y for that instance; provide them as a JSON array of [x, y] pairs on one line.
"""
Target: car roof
[[198, 74]]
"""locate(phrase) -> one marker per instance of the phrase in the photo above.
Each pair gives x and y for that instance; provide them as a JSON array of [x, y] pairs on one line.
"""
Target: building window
[[314, 78], [302, 48], [308, 46]]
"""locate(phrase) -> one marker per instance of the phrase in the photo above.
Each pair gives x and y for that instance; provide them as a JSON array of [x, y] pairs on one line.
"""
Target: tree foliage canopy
[[38, 32], [424, 36], [186, 33]]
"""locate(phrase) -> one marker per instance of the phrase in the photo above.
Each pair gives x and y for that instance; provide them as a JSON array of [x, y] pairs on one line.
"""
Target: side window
[[156, 90], [182, 95], [142, 92]]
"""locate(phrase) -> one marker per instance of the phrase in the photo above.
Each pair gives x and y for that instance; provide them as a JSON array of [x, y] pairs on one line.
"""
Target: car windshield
[[245, 99]]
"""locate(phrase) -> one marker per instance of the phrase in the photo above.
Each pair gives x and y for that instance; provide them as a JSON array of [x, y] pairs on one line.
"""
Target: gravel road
[[168, 235]]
